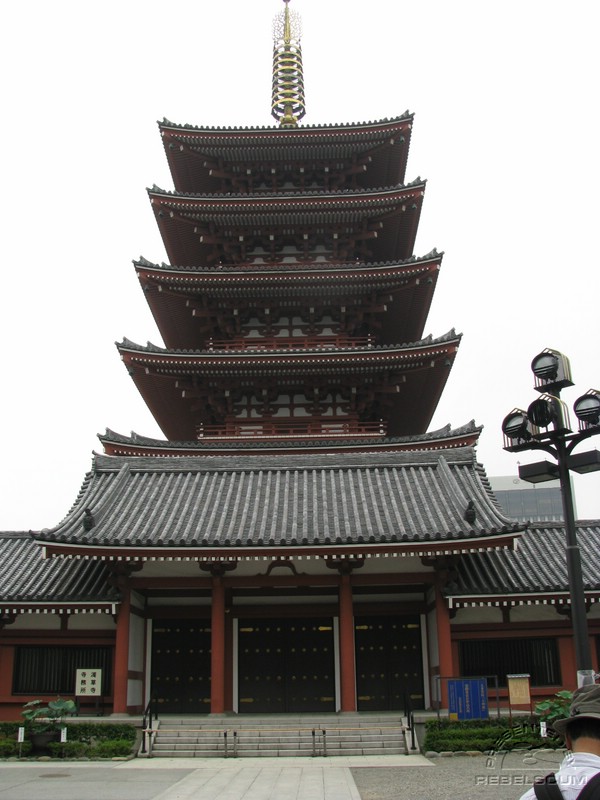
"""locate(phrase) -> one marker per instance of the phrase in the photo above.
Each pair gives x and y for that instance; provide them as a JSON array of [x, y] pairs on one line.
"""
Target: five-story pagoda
[[286, 547]]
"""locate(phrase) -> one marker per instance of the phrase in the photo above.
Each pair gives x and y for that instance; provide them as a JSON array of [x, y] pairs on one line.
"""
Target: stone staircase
[[278, 735]]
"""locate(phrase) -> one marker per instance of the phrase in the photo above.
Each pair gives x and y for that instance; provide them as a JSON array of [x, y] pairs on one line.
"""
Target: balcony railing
[[290, 343], [290, 428]]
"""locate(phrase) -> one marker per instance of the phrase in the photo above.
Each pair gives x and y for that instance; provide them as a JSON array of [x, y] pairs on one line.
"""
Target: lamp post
[[546, 426]]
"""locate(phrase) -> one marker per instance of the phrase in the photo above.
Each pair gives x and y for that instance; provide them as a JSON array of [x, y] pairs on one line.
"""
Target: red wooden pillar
[[217, 642], [442, 618], [347, 652], [122, 653], [228, 655]]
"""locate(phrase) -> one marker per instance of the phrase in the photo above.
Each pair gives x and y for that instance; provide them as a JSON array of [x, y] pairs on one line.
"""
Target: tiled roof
[[381, 148], [442, 438], [387, 273], [332, 128], [25, 577], [282, 501], [402, 350], [537, 565]]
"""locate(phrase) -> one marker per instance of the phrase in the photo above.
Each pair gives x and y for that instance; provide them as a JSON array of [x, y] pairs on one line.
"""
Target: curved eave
[[153, 357], [193, 153], [267, 552], [134, 445], [31, 584], [244, 277], [328, 129], [182, 300], [305, 504], [535, 573], [192, 226], [175, 385]]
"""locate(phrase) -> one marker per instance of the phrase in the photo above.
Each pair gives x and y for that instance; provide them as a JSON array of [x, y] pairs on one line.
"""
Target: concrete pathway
[[197, 779]]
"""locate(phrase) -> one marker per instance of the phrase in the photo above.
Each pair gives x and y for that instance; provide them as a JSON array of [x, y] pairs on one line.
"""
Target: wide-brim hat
[[585, 703]]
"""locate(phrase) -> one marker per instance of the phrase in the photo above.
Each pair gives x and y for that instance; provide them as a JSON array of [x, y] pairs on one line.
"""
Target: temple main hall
[[300, 540]]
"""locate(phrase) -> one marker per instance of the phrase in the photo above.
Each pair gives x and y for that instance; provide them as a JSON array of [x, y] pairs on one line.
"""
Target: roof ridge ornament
[[287, 98]]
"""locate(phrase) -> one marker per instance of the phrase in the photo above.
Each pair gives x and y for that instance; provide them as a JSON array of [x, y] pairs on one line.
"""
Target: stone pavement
[[503, 777], [184, 779]]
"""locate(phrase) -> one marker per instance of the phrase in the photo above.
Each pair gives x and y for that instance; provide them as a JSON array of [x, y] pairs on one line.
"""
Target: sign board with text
[[468, 698], [88, 682], [518, 690]]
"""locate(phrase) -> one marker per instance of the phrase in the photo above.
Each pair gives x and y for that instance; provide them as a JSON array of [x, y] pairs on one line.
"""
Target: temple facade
[[299, 541]]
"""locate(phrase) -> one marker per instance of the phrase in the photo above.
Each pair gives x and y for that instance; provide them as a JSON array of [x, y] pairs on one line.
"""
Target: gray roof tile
[[537, 565], [25, 577], [285, 500]]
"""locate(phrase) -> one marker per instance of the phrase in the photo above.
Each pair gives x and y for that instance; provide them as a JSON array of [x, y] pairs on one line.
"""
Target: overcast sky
[[506, 133]]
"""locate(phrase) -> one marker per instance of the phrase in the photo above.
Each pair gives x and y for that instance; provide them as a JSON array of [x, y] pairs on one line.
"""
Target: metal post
[[581, 639]]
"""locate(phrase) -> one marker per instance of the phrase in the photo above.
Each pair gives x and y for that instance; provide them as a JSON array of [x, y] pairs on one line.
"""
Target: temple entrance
[[389, 663], [181, 666], [286, 665]]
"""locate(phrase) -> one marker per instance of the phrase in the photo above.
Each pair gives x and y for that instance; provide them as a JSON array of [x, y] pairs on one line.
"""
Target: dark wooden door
[[389, 663], [285, 665], [181, 666]]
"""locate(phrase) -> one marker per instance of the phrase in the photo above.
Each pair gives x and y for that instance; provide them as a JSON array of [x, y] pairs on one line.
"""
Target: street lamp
[[546, 426]]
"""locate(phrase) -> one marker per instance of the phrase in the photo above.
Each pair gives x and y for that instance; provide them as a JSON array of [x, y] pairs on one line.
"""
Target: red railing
[[290, 342], [292, 429]]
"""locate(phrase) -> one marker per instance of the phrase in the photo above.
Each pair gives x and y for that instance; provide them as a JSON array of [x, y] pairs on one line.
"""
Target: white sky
[[506, 132]]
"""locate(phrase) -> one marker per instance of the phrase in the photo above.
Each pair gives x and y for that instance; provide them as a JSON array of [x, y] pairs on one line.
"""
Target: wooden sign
[[518, 690]]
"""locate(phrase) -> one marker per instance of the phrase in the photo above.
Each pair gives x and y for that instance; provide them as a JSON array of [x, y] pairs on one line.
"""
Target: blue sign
[[468, 698]]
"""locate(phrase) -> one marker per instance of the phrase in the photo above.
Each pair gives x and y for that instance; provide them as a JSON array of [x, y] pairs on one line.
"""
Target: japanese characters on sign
[[88, 682]]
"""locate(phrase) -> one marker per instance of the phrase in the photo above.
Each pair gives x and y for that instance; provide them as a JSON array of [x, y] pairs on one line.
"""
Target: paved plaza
[[338, 778]]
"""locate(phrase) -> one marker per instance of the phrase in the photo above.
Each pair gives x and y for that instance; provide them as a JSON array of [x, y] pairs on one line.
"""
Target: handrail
[[410, 720], [150, 713]]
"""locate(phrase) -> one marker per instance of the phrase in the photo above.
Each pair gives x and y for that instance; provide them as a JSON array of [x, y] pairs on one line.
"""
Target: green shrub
[[556, 707], [69, 749], [112, 748], [105, 748], [85, 739], [10, 747], [93, 732], [484, 735]]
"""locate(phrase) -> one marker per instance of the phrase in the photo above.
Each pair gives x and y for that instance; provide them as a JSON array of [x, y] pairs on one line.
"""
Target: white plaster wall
[[36, 622], [91, 622], [137, 645], [594, 612], [480, 614], [539, 613], [134, 692], [136, 642]]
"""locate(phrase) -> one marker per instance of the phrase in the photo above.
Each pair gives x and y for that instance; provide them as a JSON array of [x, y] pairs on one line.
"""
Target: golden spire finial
[[287, 99]]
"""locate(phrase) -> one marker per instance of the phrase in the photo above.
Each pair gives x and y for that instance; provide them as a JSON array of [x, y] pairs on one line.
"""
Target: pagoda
[[300, 540], [294, 387]]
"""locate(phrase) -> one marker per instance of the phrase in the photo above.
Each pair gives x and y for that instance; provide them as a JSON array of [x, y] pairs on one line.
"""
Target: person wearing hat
[[579, 772]]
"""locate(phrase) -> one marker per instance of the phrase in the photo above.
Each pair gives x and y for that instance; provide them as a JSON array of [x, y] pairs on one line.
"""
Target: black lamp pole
[[583, 657], [545, 426]]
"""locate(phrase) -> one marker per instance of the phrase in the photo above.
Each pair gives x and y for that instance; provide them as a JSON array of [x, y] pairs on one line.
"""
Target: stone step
[[249, 736]]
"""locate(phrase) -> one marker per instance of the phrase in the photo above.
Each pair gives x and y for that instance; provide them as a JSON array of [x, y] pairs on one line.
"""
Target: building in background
[[529, 502]]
